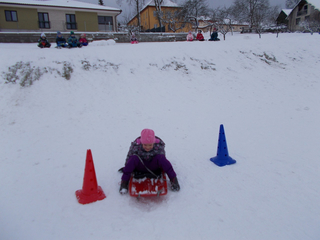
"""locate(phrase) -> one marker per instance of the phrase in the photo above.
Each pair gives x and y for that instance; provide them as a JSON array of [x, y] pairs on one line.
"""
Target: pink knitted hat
[[147, 136]]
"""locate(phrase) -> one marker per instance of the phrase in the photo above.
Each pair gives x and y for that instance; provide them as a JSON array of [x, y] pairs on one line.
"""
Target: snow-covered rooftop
[[166, 3], [61, 3], [287, 11], [315, 3]]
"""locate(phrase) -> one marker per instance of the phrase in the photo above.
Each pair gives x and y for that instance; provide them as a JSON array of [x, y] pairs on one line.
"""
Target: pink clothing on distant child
[[189, 36], [133, 39], [83, 39]]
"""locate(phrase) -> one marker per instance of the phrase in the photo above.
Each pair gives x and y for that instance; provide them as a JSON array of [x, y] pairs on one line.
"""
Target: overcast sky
[[212, 3]]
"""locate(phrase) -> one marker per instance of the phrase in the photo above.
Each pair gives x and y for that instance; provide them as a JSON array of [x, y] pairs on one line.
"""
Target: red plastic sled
[[148, 187]]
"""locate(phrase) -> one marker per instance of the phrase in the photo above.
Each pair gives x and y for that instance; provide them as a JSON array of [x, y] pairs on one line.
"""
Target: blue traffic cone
[[222, 157]]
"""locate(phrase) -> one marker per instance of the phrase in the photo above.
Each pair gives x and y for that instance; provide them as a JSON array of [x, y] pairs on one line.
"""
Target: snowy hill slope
[[265, 92]]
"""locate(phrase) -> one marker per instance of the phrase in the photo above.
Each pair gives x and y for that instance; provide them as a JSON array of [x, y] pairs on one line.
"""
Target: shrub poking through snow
[[23, 73]]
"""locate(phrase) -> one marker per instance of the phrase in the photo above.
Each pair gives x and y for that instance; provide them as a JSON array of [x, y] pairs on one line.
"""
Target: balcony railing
[[44, 24], [71, 25], [302, 12]]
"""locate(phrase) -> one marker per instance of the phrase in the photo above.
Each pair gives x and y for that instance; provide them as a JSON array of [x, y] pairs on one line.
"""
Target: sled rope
[[146, 166]]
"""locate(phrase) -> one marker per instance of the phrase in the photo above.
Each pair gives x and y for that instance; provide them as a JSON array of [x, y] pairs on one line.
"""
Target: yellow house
[[56, 15], [149, 20]]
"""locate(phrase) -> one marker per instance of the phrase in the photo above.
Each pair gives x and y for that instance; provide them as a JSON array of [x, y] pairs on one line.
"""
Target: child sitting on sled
[[133, 39], [147, 155]]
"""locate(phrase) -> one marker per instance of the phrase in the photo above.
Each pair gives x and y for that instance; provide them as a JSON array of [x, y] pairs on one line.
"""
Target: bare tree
[[221, 19], [193, 10], [175, 19], [225, 20], [272, 18], [158, 4], [137, 4], [257, 13], [260, 19], [291, 3], [312, 24], [249, 10]]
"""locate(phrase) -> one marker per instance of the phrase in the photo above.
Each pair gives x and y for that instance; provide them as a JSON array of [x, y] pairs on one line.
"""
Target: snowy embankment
[[264, 91]]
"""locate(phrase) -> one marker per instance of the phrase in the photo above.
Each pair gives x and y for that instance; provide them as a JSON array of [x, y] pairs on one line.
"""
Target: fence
[[119, 37]]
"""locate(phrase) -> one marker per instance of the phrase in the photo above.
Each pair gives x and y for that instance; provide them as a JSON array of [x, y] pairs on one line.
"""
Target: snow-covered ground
[[264, 91]]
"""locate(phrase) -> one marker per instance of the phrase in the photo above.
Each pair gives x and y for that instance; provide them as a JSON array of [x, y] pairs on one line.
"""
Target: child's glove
[[175, 185], [124, 187]]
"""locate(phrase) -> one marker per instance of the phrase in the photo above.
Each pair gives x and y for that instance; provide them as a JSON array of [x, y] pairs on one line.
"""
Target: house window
[[11, 16], [105, 23], [303, 10], [155, 26], [71, 21], [307, 18], [297, 21], [43, 19], [155, 13]]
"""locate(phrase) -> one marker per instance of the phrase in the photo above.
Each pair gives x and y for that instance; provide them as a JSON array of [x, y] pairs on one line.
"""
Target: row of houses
[[149, 21], [305, 10], [290, 17], [66, 15]]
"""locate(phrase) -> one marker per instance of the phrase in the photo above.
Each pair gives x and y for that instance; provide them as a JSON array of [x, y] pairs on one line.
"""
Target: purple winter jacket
[[158, 161]]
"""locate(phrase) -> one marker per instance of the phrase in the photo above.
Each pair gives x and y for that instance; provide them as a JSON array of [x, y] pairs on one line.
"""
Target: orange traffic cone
[[90, 191]]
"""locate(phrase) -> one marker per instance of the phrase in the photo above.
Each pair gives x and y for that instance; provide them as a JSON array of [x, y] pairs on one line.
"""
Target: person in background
[[133, 39], [73, 41], [61, 41], [190, 36], [83, 39], [43, 42], [200, 36], [214, 35]]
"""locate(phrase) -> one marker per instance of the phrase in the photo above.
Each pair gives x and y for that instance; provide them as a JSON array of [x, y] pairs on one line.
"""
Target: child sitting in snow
[[61, 41], [73, 41], [43, 42], [190, 36], [147, 155], [133, 38], [83, 39], [214, 35], [200, 36]]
